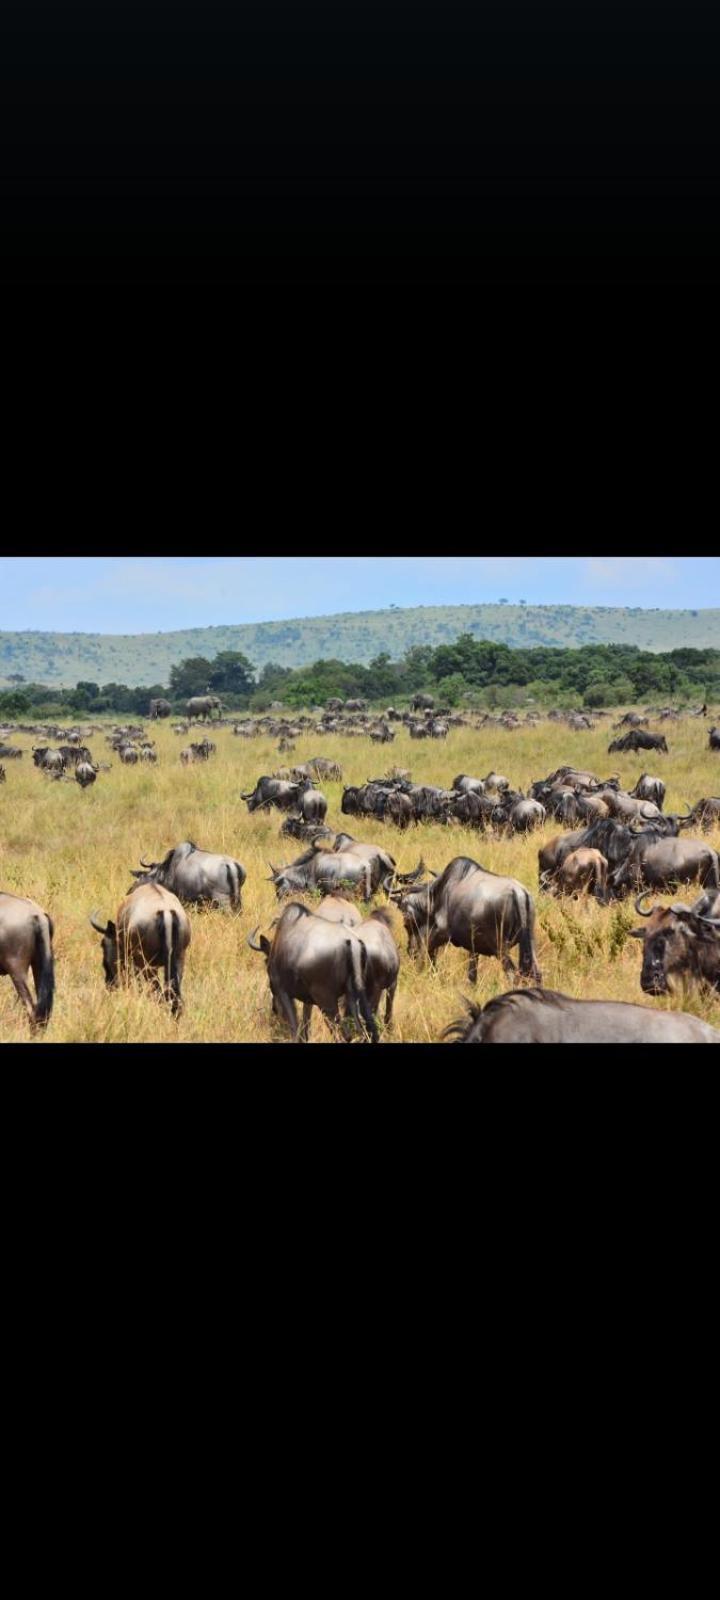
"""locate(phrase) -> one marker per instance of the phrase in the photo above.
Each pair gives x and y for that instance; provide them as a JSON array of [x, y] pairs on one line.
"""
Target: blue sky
[[133, 594]]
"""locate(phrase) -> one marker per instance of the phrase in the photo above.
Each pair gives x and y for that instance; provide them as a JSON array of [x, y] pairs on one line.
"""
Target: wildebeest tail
[[169, 925], [528, 962], [43, 970], [356, 993], [234, 882]]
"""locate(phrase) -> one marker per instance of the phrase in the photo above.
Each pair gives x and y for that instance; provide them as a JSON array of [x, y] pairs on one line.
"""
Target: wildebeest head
[[109, 950], [292, 879], [676, 940]]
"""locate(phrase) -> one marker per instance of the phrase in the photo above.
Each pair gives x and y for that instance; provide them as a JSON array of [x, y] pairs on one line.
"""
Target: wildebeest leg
[[304, 1029], [472, 969], [285, 1007], [23, 990], [435, 942], [509, 967], [389, 1001]]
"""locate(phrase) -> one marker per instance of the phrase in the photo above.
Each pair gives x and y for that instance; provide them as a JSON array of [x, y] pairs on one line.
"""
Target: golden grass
[[72, 852]]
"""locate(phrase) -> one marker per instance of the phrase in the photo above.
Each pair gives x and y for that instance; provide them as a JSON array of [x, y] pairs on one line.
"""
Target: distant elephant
[[160, 708], [202, 705]]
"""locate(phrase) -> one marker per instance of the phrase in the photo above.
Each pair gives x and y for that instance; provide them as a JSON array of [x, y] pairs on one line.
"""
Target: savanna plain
[[72, 851]]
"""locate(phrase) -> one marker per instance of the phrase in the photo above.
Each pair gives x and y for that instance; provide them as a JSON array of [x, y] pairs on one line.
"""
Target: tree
[[232, 673], [190, 677]]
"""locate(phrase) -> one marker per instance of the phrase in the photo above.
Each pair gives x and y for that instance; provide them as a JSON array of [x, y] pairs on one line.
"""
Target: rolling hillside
[[63, 659]]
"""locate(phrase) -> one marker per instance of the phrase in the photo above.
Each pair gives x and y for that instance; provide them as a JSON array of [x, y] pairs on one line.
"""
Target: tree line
[[474, 672]]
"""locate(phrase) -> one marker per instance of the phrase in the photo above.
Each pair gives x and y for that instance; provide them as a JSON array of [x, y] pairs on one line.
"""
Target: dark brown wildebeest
[[295, 828], [713, 739], [584, 871], [679, 941], [151, 934], [477, 911], [313, 806], [541, 1016], [276, 792], [319, 963], [10, 752], [637, 739], [26, 934], [85, 774], [648, 788]]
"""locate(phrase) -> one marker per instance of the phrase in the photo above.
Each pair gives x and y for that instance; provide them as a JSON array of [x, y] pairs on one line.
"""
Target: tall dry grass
[[72, 851]]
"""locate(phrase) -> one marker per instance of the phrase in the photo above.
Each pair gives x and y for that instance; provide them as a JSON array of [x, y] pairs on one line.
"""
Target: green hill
[[63, 659]]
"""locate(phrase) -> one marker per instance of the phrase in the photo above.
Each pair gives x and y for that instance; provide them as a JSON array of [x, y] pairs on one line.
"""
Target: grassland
[[61, 660], [72, 851]]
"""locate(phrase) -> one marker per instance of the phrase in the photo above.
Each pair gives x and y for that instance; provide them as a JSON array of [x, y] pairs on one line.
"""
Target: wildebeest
[[584, 871], [146, 754], [197, 752], [383, 966], [151, 934], [705, 814], [313, 806], [128, 755], [160, 708], [85, 774], [521, 816], [713, 740], [477, 911], [679, 941], [541, 1016], [648, 788], [336, 909], [637, 739], [295, 828], [611, 838], [26, 935], [359, 866], [276, 792], [48, 760], [202, 705], [10, 752], [197, 876], [663, 863], [319, 963]]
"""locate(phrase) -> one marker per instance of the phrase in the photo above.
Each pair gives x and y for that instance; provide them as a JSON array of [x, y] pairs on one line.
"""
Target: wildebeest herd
[[329, 948]]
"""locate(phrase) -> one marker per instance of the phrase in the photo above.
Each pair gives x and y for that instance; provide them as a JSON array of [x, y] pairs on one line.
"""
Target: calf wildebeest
[[295, 828], [663, 863], [648, 788], [319, 963], [151, 934], [276, 792], [197, 876], [713, 740], [477, 911], [584, 871], [85, 774], [679, 941], [705, 814], [541, 1016], [637, 739], [26, 934]]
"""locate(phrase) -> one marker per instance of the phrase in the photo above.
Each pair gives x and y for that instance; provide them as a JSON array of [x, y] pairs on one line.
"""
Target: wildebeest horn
[[148, 865], [251, 936], [274, 870], [388, 879], [98, 926], [638, 904], [410, 877]]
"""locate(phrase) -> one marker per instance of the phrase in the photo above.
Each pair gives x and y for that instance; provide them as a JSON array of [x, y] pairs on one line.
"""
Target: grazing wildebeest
[[713, 740], [202, 705], [146, 754], [523, 815], [584, 871], [197, 875], [160, 708], [26, 934], [663, 863], [383, 965], [705, 814], [477, 911], [128, 755], [319, 963], [84, 774], [336, 909], [47, 760], [679, 941], [10, 752], [152, 933], [313, 806], [638, 740], [276, 792], [541, 1016], [648, 788]]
